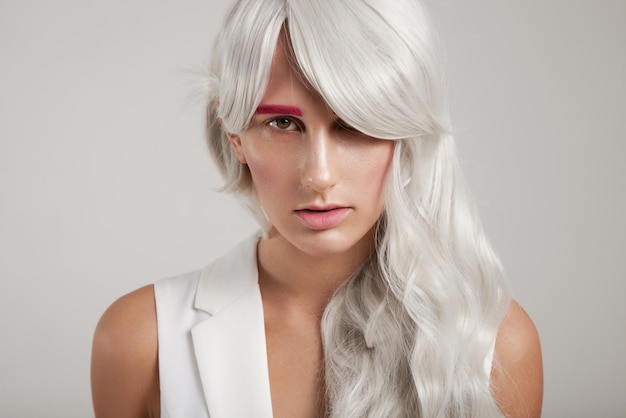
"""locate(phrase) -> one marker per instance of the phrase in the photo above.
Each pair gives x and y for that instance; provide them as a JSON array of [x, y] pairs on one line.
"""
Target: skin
[[303, 158], [124, 360], [307, 159]]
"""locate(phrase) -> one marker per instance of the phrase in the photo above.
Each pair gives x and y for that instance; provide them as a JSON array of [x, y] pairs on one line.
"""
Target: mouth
[[322, 218], [324, 209]]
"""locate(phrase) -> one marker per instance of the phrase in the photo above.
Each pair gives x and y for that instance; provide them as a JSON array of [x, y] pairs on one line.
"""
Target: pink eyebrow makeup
[[278, 110]]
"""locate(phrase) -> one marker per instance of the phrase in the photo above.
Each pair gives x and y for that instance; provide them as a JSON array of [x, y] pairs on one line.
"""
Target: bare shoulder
[[124, 362], [517, 375]]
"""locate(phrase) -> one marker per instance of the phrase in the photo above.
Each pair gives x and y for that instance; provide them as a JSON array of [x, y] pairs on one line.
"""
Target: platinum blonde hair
[[412, 332]]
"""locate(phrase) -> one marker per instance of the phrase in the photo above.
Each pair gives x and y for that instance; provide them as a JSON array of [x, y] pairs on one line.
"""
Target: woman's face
[[320, 183]]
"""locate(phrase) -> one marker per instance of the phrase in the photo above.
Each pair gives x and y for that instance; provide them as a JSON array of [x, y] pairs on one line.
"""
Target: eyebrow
[[278, 109]]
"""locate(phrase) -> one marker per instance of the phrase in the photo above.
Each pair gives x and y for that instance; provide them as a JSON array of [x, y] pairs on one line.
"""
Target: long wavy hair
[[412, 332]]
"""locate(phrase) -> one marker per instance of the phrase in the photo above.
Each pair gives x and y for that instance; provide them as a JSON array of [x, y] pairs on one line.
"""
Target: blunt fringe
[[411, 334]]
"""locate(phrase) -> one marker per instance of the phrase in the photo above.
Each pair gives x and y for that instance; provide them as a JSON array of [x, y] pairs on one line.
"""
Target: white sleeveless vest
[[211, 340], [211, 337]]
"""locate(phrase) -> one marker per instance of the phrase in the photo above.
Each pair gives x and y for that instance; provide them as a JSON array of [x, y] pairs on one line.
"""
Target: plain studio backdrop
[[106, 184]]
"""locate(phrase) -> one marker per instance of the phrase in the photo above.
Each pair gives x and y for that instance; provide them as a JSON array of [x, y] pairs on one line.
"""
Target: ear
[[235, 142]]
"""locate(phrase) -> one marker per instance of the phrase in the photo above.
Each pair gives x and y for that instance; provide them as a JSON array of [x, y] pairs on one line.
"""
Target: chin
[[333, 243]]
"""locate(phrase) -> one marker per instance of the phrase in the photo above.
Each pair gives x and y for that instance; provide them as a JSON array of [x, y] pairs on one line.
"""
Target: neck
[[304, 281]]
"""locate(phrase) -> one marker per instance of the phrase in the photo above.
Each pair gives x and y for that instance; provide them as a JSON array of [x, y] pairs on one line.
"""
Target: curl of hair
[[412, 332]]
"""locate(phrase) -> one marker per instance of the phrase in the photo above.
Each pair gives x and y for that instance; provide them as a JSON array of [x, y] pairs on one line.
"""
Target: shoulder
[[517, 375], [124, 364], [131, 318]]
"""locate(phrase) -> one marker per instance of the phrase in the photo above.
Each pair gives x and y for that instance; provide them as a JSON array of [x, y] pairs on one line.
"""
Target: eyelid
[[346, 126]]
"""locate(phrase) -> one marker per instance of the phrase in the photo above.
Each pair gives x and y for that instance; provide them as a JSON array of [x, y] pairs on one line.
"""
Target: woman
[[372, 291]]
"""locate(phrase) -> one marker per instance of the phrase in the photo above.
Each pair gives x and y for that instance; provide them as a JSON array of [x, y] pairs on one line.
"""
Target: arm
[[124, 362], [517, 376]]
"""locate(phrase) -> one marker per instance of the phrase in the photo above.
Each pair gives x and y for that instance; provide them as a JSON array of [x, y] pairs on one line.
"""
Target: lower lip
[[324, 219]]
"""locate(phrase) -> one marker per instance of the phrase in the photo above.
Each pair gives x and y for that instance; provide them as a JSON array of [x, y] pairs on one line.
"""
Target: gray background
[[105, 183]]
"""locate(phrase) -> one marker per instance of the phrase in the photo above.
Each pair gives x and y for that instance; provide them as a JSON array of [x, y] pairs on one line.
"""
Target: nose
[[320, 165]]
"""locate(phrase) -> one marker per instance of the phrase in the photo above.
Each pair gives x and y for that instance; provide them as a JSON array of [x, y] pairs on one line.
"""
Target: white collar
[[230, 345]]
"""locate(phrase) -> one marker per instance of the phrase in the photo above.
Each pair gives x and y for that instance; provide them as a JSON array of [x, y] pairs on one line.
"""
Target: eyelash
[[341, 124], [273, 123]]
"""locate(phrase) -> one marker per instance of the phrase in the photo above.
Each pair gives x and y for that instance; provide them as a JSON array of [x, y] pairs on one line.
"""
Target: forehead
[[286, 82], [282, 60], [287, 85]]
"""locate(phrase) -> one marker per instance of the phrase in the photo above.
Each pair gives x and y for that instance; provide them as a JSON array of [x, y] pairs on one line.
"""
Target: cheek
[[269, 173], [376, 165]]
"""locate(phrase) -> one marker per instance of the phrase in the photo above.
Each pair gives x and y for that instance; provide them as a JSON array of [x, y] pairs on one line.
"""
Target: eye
[[283, 124], [346, 127]]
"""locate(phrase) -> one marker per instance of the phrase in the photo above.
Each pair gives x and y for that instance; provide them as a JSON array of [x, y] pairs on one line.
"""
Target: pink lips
[[322, 218]]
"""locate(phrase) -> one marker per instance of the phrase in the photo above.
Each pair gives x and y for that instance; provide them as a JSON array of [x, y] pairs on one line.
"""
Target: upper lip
[[321, 207]]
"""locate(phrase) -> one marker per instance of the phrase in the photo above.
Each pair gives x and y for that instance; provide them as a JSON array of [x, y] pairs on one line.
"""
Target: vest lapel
[[230, 345]]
